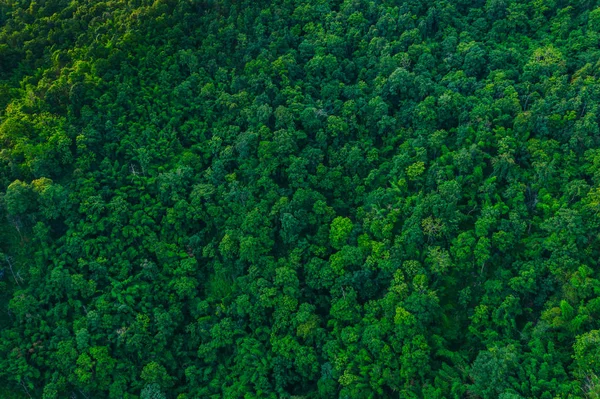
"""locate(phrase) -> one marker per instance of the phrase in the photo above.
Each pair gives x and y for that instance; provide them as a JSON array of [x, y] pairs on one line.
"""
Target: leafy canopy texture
[[299, 199]]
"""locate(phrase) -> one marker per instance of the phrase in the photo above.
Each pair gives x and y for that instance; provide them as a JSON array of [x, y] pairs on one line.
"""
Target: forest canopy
[[299, 199]]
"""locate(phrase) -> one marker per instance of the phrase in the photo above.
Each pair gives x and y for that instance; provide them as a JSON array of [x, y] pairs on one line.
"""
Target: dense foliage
[[300, 199]]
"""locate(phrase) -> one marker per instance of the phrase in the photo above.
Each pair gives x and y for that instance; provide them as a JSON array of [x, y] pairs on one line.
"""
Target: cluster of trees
[[299, 199]]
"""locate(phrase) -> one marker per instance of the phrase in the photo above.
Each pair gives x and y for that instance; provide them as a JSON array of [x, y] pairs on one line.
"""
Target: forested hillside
[[299, 199]]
